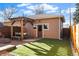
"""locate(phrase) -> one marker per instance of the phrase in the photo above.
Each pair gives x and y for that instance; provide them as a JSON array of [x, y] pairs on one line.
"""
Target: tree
[[7, 13], [76, 13], [39, 9]]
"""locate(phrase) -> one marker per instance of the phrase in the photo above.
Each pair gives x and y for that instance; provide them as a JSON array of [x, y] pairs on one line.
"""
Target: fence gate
[[66, 33]]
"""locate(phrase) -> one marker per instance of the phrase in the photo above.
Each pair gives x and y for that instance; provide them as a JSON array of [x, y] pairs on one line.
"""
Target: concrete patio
[[16, 42], [13, 42]]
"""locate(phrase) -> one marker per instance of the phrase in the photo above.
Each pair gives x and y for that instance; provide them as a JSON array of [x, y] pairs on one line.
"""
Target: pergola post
[[22, 29], [11, 31]]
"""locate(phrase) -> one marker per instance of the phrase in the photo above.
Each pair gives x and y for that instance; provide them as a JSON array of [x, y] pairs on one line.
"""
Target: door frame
[[42, 30], [36, 25]]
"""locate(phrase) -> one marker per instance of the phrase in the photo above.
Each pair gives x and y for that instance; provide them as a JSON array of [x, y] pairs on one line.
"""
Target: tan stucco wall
[[53, 31]]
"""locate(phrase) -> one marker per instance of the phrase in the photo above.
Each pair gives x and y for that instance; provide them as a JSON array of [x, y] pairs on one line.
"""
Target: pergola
[[22, 21]]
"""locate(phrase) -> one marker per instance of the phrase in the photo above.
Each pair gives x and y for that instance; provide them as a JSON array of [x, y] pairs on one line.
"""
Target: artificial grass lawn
[[44, 47]]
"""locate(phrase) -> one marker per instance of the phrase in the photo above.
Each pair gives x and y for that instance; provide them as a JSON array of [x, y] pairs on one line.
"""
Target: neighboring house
[[42, 25], [1, 26]]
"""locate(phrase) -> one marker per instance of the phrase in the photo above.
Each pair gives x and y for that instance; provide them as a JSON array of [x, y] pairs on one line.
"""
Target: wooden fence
[[75, 36]]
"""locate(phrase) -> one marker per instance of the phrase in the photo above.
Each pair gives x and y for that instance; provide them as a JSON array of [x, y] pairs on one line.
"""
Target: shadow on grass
[[38, 52], [51, 48], [54, 50], [39, 47]]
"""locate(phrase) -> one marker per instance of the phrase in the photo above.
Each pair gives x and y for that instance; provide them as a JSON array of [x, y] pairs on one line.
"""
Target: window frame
[[47, 26], [34, 26]]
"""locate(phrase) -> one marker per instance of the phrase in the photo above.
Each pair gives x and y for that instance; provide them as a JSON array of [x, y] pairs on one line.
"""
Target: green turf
[[44, 47]]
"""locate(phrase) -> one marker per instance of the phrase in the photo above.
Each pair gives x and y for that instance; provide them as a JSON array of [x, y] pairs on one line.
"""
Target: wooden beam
[[13, 22], [11, 31], [22, 29]]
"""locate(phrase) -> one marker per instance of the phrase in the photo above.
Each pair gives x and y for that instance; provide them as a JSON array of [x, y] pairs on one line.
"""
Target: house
[[47, 26], [40, 26], [1, 25]]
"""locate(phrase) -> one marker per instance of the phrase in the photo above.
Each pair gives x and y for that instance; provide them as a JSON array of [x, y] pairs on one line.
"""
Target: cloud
[[23, 4], [31, 7], [51, 11], [26, 12], [47, 7], [1, 12], [29, 12]]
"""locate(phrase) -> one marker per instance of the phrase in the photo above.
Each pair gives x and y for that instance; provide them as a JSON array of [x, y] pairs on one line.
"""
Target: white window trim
[[42, 24], [47, 26]]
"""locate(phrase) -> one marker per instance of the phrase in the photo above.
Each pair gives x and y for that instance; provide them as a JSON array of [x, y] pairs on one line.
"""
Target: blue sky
[[49, 8]]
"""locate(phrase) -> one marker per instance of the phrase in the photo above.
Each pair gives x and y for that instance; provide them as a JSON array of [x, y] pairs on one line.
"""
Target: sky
[[26, 9]]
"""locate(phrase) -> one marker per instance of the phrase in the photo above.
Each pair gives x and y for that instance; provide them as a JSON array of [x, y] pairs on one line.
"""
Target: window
[[34, 26], [45, 26]]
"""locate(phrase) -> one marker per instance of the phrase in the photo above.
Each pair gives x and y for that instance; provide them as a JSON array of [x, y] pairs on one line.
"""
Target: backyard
[[44, 47]]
